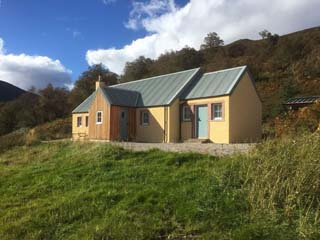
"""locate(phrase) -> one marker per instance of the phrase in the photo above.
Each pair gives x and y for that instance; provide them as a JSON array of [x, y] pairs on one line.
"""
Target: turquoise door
[[202, 122]]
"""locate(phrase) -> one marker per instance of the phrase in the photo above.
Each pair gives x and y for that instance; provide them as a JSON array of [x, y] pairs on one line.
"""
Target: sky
[[54, 41]]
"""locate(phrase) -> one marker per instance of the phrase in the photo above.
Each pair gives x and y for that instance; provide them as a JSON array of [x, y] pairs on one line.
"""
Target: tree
[[272, 38], [21, 112], [136, 69], [265, 34], [53, 103], [85, 84], [188, 58], [212, 40]]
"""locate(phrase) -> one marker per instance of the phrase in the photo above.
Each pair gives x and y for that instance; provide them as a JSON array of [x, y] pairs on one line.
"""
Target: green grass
[[93, 191]]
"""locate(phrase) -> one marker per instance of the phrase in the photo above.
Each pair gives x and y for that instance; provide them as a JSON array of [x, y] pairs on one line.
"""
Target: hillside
[[282, 67], [91, 191], [9, 92]]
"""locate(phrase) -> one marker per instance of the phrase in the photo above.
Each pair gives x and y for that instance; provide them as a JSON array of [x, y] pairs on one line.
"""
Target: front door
[[124, 125], [202, 121]]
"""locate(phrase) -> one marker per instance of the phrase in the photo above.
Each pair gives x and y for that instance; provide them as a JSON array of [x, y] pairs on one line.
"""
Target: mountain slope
[[9, 92]]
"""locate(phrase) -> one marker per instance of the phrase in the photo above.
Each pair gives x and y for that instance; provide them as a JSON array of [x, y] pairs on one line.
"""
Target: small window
[[87, 121], [99, 117], [79, 121], [144, 118], [186, 113], [217, 111]]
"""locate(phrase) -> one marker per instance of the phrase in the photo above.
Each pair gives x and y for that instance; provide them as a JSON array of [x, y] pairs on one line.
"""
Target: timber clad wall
[[115, 122], [99, 131]]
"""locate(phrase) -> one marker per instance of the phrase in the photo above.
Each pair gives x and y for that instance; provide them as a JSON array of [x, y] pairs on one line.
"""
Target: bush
[[283, 178], [58, 129], [301, 120], [16, 138]]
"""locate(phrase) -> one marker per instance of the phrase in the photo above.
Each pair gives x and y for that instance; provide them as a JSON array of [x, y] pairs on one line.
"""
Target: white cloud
[[107, 2], [25, 71], [152, 9], [171, 28]]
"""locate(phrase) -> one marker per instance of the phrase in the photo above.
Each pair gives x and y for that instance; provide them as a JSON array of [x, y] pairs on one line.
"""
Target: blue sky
[[44, 41], [65, 29]]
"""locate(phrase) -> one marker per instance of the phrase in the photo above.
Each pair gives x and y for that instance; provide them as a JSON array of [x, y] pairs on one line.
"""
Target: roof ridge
[[180, 91], [144, 79], [237, 79], [224, 70], [120, 89]]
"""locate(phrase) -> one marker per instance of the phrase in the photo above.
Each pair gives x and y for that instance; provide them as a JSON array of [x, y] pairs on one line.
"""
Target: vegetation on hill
[[58, 129], [93, 191], [283, 67], [9, 92]]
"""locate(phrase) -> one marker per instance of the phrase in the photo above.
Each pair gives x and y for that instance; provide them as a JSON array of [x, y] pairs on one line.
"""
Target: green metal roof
[[85, 105], [163, 90], [121, 97], [214, 84], [160, 90]]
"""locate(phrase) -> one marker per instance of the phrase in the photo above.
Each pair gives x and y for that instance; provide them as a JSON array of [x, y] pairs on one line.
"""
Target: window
[[186, 113], [87, 121], [79, 121], [216, 111], [144, 118], [99, 117]]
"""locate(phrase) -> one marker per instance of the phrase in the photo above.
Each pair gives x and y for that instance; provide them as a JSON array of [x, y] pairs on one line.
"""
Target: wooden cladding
[[99, 131], [115, 122]]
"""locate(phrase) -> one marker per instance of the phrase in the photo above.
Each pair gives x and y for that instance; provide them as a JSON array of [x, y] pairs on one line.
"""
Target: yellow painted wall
[[154, 132], [79, 133], [218, 130], [245, 112], [174, 120]]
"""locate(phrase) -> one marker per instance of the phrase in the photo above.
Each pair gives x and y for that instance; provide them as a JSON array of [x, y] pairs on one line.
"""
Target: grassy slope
[[90, 191]]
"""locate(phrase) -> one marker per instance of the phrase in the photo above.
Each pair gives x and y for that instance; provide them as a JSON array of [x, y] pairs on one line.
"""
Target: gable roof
[[160, 90], [215, 84], [121, 97], [163, 90], [86, 104]]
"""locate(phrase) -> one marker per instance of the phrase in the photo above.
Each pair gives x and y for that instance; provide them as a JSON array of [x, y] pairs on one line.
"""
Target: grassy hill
[[91, 191], [9, 92]]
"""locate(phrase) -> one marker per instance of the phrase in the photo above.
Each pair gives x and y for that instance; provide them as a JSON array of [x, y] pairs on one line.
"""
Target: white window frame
[[184, 109], [97, 118], [143, 123], [213, 111], [79, 123]]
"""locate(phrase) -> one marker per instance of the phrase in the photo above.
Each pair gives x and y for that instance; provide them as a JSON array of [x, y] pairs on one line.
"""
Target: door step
[[197, 140]]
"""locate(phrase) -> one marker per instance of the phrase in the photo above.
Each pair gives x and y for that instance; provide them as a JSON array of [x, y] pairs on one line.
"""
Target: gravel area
[[206, 148]]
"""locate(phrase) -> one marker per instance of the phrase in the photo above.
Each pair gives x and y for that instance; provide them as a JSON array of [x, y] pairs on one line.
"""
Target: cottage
[[221, 106]]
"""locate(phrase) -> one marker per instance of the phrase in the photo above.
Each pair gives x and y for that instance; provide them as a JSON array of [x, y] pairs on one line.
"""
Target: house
[[299, 102], [221, 106]]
